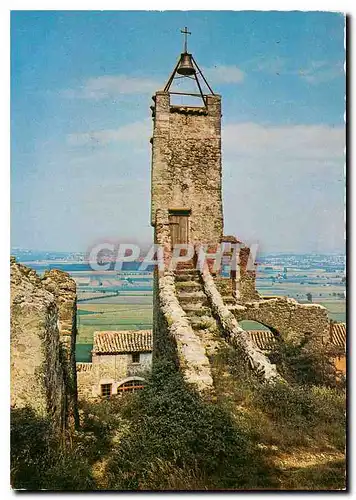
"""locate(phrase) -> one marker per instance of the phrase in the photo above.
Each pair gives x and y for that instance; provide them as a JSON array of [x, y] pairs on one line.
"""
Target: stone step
[[188, 286], [202, 322], [229, 300], [196, 311], [187, 277], [193, 298], [185, 265], [187, 271]]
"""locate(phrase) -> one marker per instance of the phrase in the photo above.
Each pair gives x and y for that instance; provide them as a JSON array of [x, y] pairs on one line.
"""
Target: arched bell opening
[[187, 85]]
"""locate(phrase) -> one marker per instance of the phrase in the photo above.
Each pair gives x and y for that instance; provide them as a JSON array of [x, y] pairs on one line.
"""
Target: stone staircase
[[195, 304]]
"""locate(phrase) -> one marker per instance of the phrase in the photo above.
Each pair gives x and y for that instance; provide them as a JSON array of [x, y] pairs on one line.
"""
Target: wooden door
[[179, 225]]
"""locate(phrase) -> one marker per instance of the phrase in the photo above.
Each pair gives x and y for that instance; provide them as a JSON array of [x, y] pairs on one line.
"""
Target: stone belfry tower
[[186, 158]]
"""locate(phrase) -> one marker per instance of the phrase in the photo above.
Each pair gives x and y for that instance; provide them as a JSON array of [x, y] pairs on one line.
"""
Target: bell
[[186, 67]]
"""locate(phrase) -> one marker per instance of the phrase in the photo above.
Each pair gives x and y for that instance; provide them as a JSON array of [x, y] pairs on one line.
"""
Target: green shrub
[[309, 362], [173, 425], [38, 461], [303, 413], [282, 415]]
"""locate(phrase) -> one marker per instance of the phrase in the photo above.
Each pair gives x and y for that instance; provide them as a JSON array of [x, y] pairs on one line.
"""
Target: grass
[[166, 437], [301, 428]]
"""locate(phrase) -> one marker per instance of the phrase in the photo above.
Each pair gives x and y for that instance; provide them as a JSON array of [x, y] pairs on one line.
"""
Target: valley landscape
[[155, 350], [122, 300]]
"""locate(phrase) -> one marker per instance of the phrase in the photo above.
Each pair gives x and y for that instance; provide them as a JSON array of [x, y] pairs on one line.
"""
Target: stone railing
[[173, 334], [235, 335]]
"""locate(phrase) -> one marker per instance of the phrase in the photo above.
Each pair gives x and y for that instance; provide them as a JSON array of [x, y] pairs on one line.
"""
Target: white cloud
[[287, 142], [266, 64], [284, 185], [224, 74], [106, 87], [250, 140], [315, 73], [137, 132], [322, 71]]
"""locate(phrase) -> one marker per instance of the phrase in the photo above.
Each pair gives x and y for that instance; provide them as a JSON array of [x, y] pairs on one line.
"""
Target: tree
[[309, 297]]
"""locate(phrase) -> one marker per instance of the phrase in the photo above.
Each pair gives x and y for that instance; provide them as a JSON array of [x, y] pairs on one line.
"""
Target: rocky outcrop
[[38, 367]]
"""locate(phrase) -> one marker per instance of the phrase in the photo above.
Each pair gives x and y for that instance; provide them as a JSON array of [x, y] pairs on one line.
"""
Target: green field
[[136, 315], [321, 294], [132, 310], [336, 309]]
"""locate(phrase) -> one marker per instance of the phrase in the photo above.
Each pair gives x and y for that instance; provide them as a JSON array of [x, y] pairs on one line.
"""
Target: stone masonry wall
[[287, 317], [186, 165], [37, 374], [234, 334], [63, 287]]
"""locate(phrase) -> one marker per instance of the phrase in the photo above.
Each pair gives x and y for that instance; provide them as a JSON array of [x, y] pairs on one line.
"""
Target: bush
[[37, 459], [310, 362], [167, 437], [303, 413], [173, 425], [281, 415]]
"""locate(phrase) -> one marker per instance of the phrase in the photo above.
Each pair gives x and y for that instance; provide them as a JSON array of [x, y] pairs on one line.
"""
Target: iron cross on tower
[[185, 33]]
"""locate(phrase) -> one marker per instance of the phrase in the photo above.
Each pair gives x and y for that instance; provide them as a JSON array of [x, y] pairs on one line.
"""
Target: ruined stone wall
[[86, 379], [224, 285], [245, 278], [63, 287], [186, 164], [287, 317], [37, 372]]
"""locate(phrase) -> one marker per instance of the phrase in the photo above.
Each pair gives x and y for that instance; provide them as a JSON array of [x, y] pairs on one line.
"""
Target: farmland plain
[[122, 300]]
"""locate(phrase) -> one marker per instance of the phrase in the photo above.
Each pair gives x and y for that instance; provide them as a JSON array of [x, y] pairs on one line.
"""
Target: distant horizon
[[262, 253]]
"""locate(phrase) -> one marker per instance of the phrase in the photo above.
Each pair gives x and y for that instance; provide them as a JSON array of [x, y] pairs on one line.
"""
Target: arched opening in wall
[[184, 92], [131, 386], [264, 337]]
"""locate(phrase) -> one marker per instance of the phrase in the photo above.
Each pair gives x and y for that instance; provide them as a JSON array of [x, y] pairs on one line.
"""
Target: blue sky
[[81, 86]]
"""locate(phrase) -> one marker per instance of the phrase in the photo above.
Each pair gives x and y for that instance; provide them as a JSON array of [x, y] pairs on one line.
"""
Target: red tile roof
[[264, 339], [338, 334], [125, 341]]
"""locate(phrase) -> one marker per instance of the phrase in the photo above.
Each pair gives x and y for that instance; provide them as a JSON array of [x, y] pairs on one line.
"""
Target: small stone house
[[119, 361]]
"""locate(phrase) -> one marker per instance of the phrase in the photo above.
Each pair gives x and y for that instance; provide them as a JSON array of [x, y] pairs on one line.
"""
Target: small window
[[131, 386], [136, 357], [106, 390]]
